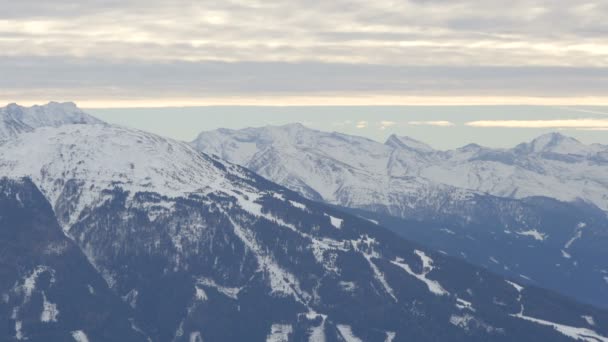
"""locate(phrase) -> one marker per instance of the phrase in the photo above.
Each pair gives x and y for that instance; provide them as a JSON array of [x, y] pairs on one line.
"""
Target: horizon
[[442, 127]]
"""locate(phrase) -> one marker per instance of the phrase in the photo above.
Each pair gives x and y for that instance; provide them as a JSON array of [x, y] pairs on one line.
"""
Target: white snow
[[461, 321], [533, 233], [427, 266], [279, 333], [469, 322], [347, 333], [316, 333], [336, 222], [390, 336], [195, 336], [578, 233], [518, 287], [18, 333], [298, 205], [101, 157], [579, 334], [131, 298], [29, 282], [200, 294], [463, 304], [80, 336], [49, 310], [231, 292], [348, 286], [589, 320], [566, 254]]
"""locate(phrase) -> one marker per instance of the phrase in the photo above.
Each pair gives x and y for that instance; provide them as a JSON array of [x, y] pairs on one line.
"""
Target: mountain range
[[535, 211], [115, 234]]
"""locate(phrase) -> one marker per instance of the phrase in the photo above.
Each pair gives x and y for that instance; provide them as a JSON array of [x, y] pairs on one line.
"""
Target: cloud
[[386, 124], [117, 49], [459, 32], [361, 124], [559, 123], [440, 123]]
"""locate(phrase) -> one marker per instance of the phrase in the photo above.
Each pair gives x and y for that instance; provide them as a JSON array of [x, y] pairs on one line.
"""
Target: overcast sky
[[152, 53], [119, 53]]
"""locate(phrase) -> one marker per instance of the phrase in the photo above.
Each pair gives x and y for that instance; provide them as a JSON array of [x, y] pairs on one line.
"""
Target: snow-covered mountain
[[358, 172], [474, 201], [202, 249], [15, 119]]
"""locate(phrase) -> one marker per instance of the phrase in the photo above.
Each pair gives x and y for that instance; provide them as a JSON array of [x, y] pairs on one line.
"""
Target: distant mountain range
[[116, 234], [357, 172], [475, 202]]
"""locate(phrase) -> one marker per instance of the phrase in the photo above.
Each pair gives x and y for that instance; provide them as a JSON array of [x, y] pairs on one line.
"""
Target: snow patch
[[200, 294], [49, 310], [195, 336], [131, 298], [390, 336], [427, 267], [518, 287], [80, 336], [533, 233], [579, 334], [348, 286], [18, 333], [469, 322], [347, 333], [279, 333], [578, 233], [589, 320], [231, 292], [298, 205], [464, 305], [336, 222], [316, 333]]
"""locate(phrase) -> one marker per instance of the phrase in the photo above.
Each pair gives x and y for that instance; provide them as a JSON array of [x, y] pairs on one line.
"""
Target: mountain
[[474, 201], [201, 249], [15, 119], [552, 166], [49, 290]]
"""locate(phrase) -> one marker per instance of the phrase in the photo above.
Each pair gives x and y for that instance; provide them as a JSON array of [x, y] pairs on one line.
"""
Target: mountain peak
[[404, 142], [557, 143], [15, 119]]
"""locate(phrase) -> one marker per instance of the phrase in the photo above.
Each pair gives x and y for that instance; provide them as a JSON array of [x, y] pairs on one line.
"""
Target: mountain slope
[[49, 290], [202, 249], [15, 119], [451, 191]]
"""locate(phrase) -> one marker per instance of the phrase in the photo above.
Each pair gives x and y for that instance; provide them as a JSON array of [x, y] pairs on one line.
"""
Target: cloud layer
[[591, 124], [111, 48]]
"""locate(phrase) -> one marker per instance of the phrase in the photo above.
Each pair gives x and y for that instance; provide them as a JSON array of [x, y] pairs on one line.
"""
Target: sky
[[234, 63], [152, 53]]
